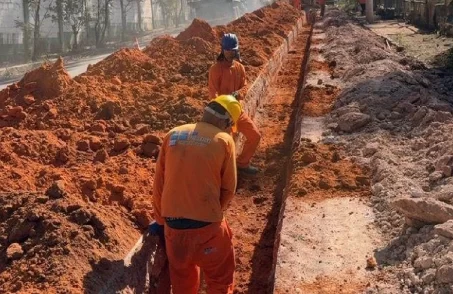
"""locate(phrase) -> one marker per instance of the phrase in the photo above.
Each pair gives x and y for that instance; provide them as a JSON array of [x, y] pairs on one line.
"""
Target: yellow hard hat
[[232, 106]]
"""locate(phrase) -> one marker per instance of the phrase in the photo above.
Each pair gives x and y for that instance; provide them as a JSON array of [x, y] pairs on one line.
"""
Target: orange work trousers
[[210, 249], [247, 127]]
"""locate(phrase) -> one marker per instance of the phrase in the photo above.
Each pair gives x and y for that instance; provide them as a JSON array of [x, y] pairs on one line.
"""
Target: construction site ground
[[426, 46], [355, 193]]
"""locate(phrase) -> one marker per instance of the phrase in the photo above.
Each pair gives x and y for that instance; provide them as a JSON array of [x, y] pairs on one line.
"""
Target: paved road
[[77, 67], [80, 66], [74, 68]]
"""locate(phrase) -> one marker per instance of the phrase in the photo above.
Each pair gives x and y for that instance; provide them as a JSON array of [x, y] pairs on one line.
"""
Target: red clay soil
[[58, 237], [325, 285], [319, 101], [97, 135], [323, 171], [316, 65]]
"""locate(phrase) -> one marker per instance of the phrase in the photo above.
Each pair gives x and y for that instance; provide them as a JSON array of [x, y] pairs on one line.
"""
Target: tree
[[102, 20], [169, 10], [26, 29], [181, 16], [152, 13], [125, 6], [35, 6], [139, 15], [60, 20], [70, 12], [75, 16]]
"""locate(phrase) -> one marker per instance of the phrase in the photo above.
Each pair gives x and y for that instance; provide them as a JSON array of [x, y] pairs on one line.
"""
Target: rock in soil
[[14, 251]]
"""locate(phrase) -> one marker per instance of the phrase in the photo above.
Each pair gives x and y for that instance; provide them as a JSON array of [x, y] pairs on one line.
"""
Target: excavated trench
[[326, 230], [273, 102], [303, 225], [285, 221]]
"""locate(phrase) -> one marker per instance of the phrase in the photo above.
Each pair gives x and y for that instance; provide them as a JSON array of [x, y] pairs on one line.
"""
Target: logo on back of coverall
[[209, 250], [188, 138]]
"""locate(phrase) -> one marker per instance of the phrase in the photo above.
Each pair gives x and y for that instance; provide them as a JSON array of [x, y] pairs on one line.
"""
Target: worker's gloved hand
[[155, 229]]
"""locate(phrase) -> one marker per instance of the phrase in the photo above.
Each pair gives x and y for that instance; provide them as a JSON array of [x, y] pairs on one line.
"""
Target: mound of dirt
[[199, 29], [37, 86], [128, 65], [39, 231], [398, 117]]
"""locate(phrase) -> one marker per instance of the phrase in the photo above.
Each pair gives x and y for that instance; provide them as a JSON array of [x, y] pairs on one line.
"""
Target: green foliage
[[347, 5]]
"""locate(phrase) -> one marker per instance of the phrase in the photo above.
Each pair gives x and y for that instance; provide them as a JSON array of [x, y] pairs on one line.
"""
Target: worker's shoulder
[[186, 127], [214, 132], [216, 65], [238, 63], [239, 67], [225, 138]]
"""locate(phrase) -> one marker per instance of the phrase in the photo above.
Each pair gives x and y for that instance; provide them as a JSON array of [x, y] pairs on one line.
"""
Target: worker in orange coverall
[[227, 77], [195, 181]]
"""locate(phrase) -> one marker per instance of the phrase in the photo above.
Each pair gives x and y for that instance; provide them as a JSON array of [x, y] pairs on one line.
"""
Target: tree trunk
[[36, 32], [75, 34], [139, 15], [123, 21], [60, 25], [369, 11], [152, 14], [87, 20], [182, 15], [98, 29], [26, 28], [106, 27]]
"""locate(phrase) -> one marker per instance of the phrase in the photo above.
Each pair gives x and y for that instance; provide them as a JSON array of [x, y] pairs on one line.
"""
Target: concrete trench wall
[[146, 266]]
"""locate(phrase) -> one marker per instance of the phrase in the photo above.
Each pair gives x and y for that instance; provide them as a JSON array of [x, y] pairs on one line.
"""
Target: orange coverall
[[196, 179], [224, 79]]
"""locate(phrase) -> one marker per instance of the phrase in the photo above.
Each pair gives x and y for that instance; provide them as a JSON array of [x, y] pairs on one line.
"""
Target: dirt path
[[424, 46], [327, 231]]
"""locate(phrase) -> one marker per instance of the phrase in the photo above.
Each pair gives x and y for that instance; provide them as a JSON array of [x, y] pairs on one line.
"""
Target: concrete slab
[[312, 128], [324, 241]]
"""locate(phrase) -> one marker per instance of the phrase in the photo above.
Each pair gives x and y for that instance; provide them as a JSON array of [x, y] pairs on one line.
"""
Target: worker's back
[[195, 156]]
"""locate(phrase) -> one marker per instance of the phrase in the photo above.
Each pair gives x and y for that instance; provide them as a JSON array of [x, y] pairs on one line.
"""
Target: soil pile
[[142, 87], [127, 65], [43, 83], [39, 231], [395, 116], [199, 29], [99, 133]]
